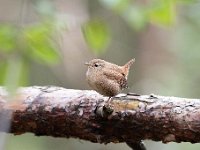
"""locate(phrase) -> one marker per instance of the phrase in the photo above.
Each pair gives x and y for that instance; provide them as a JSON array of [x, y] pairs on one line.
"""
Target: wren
[[107, 78]]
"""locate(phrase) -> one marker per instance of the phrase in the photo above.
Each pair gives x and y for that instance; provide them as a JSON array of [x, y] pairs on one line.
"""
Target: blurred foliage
[[21, 45], [39, 43], [96, 35], [7, 38], [18, 47], [139, 13], [36, 42], [186, 47], [16, 74], [45, 8], [162, 12]]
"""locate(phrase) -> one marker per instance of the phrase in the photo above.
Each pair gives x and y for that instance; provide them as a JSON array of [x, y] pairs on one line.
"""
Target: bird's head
[[96, 64]]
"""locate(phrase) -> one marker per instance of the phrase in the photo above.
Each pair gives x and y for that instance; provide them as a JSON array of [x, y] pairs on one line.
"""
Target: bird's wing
[[116, 76]]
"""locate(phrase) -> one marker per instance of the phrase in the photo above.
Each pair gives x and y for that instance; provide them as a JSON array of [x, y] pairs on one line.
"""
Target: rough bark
[[59, 112]]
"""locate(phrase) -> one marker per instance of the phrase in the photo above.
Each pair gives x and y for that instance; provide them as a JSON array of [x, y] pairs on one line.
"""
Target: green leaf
[[44, 52], [163, 12], [40, 43], [96, 35], [7, 38]]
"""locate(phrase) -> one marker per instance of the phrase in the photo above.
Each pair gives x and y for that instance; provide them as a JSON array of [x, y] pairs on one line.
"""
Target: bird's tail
[[128, 65]]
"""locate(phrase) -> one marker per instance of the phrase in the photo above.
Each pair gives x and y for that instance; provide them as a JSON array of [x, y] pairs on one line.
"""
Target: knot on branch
[[104, 111]]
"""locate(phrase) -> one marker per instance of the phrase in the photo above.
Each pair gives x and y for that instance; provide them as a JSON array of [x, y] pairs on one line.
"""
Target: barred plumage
[[106, 78]]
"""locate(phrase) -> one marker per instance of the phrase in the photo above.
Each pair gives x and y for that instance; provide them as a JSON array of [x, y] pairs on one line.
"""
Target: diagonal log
[[59, 112]]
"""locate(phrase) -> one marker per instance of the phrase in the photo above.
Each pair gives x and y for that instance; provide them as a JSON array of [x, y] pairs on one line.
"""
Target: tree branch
[[59, 112]]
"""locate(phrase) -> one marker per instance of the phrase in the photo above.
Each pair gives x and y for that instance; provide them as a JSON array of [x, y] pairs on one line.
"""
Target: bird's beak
[[86, 63]]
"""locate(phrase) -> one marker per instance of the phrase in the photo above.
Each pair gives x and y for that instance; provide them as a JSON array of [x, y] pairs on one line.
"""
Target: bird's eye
[[96, 65]]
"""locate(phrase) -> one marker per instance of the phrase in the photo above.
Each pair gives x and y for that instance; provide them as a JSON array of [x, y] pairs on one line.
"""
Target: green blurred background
[[46, 42]]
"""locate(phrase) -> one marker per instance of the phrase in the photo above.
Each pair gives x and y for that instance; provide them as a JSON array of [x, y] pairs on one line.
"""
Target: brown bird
[[107, 78]]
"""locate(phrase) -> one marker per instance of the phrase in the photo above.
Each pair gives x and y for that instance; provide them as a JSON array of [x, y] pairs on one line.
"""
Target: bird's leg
[[109, 100]]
